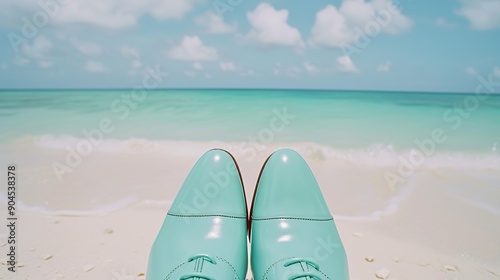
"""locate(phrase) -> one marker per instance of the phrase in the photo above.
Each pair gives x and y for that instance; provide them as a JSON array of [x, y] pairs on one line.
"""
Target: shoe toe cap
[[288, 188], [213, 187]]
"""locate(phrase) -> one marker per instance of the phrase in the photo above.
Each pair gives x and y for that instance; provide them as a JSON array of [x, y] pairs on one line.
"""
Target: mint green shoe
[[293, 235], [204, 235]]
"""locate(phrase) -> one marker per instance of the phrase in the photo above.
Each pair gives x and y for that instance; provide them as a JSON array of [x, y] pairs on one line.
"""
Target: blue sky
[[351, 44]]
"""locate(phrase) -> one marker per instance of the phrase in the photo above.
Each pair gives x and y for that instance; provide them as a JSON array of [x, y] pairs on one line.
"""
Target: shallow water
[[375, 143]]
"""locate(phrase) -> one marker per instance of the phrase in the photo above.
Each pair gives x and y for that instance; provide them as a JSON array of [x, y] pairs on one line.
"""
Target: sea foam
[[471, 177], [380, 155]]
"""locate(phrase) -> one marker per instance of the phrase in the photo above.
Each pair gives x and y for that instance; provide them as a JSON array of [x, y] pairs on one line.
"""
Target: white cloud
[[134, 56], [331, 29], [21, 61], [190, 73], [95, 67], [496, 72], [442, 22], [248, 73], [280, 70], [112, 14], [41, 46], [270, 27], [227, 66], [310, 68], [345, 64], [215, 24], [471, 71], [129, 52], [398, 23], [38, 51], [343, 26], [384, 67], [167, 9], [192, 49], [197, 66], [135, 64], [87, 48], [120, 13], [45, 64], [482, 14]]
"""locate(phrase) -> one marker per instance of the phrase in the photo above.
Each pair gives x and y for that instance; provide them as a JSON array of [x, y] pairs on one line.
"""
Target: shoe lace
[[197, 274], [306, 275]]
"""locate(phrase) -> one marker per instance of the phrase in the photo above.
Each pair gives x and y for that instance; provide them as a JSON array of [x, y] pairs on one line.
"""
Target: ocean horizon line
[[246, 89]]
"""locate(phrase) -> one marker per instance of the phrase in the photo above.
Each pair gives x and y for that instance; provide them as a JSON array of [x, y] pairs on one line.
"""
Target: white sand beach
[[421, 232]]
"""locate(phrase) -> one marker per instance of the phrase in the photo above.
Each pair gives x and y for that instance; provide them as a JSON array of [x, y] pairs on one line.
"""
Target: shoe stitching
[[204, 216], [307, 270], [171, 272], [273, 265], [234, 270], [307, 267], [324, 274]]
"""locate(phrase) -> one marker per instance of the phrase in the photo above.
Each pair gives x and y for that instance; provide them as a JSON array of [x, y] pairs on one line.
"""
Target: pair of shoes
[[292, 233]]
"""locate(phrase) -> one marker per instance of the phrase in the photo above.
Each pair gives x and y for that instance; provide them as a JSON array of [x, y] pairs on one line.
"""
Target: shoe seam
[[324, 274], [171, 272], [232, 267], [273, 265], [219, 258], [208, 215], [291, 218]]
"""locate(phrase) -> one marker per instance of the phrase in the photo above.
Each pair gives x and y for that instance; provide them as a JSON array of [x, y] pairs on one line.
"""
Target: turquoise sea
[[450, 137], [336, 119]]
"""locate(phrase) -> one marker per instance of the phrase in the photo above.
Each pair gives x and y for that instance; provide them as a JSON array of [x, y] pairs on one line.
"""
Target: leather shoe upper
[[293, 235], [204, 235]]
